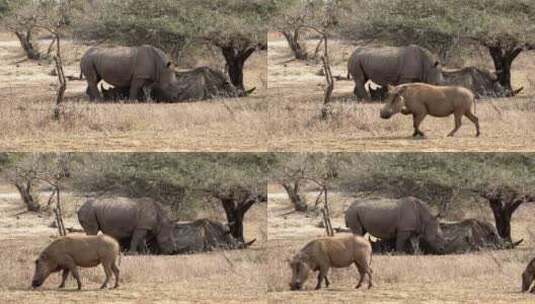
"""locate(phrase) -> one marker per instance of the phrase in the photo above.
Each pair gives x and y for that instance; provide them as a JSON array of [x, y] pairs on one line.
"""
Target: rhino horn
[[249, 92], [514, 244], [514, 92], [245, 245]]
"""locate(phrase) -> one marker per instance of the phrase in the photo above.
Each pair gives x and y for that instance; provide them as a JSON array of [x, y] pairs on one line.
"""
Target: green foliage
[[439, 178], [442, 24], [182, 181]]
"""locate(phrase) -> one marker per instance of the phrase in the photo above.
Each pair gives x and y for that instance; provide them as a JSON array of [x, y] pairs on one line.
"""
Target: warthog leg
[[458, 122], [107, 271], [322, 275], [64, 276], [74, 270], [115, 270], [417, 119], [474, 119]]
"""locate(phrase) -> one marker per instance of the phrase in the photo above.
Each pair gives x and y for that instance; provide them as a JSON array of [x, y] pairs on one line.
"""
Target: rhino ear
[[389, 88], [437, 63], [169, 64]]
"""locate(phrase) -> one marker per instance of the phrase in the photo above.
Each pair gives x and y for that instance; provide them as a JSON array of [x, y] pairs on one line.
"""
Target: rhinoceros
[[392, 66], [204, 235], [131, 221], [204, 83], [481, 82], [136, 68], [405, 219]]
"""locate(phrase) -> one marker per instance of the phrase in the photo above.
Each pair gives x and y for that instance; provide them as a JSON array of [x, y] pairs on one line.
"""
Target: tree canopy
[[505, 28]]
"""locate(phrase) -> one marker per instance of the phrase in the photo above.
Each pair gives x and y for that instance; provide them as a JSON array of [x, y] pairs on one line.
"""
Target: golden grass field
[[216, 277], [296, 97], [27, 95], [483, 277]]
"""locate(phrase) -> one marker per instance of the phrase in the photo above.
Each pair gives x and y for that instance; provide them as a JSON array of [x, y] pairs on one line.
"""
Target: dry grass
[[220, 276], [27, 93], [483, 277], [296, 93]]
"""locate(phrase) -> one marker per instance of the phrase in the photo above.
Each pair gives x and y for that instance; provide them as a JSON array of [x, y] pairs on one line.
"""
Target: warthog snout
[[385, 114], [295, 286], [36, 283]]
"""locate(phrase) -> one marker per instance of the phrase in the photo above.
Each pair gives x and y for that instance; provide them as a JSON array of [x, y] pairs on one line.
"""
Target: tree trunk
[[27, 45], [235, 212], [295, 197], [503, 60], [235, 59], [27, 197], [298, 50], [503, 202], [503, 211]]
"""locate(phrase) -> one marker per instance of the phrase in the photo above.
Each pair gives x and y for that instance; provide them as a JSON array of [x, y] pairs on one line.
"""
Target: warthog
[[528, 276], [321, 254], [69, 252], [420, 99]]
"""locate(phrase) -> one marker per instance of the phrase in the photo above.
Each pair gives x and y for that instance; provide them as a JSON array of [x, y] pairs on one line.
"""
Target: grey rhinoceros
[[204, 235], [481, 82], [204, 83], [136, 68], [392, 66], [133, 222], [405, 219]]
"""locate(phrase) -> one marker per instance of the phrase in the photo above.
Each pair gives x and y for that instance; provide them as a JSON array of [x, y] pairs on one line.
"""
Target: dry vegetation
[[27, 94], [484, 277], [216, 277], [296, 91]]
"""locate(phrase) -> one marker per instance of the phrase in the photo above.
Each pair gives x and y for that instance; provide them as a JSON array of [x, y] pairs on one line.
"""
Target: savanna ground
[[236, 276], [27, 95], [296, 97], [482, 277]]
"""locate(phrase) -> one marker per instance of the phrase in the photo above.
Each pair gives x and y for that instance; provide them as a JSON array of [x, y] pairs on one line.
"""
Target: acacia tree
[[503, 27], [20, 18]]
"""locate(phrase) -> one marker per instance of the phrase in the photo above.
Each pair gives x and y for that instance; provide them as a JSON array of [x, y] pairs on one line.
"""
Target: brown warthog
[[69, 252], [420, 99], [321, 254], [528, 276]]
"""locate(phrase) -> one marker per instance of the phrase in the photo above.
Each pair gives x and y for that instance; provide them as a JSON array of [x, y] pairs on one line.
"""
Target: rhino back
[[115, 65], [381, 65], [118, 217], [379, 218]]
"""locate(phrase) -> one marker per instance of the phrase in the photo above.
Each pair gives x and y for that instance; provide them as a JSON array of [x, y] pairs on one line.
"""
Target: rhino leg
[[135, 86], [417, 119], [64, 276], [458, 122], [401, 240], [415, 244], [137, 239], [473, 119]]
